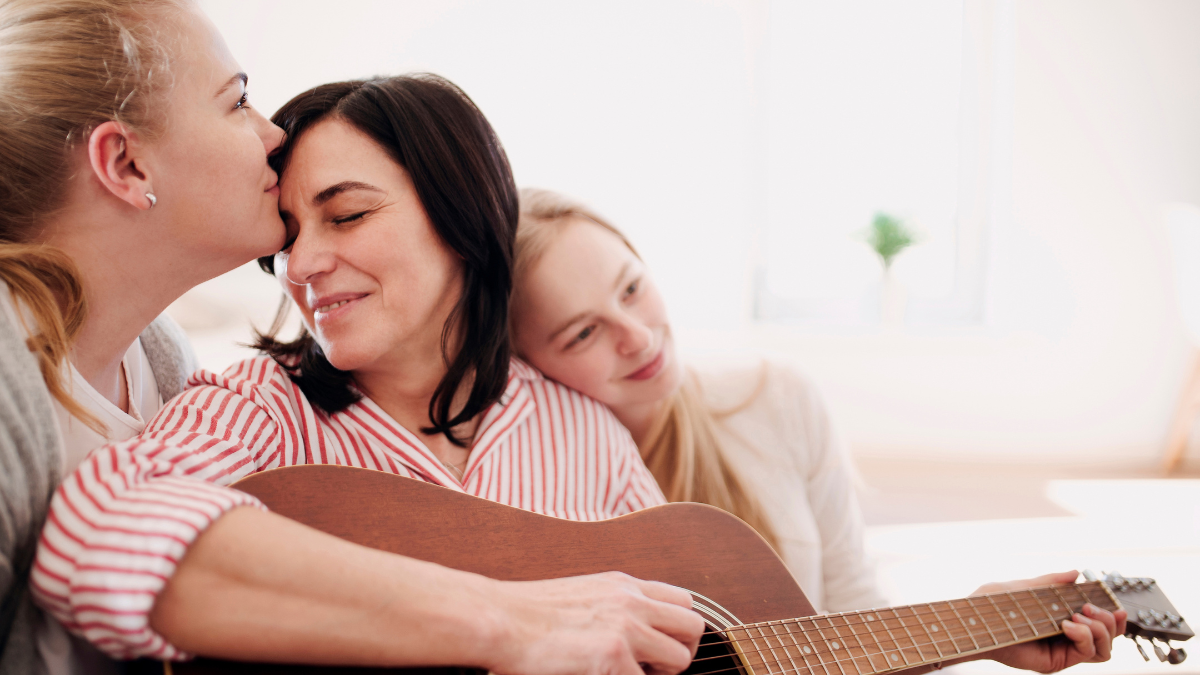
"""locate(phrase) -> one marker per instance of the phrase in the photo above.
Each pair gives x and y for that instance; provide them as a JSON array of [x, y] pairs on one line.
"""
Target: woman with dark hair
[[400, 212]]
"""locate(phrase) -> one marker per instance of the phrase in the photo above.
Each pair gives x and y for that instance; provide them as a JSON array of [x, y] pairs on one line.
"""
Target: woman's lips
[[335, 307], [650, 369]]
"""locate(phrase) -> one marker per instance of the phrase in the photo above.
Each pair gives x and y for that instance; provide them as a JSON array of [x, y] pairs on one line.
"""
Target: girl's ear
[[114, 155]]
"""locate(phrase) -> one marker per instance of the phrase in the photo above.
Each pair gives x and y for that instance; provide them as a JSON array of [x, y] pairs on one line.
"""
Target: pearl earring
[[152, 198]]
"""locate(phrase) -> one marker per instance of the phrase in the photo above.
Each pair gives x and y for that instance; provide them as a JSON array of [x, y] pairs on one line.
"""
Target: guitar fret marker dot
[[895, 658], [870, 618], [935, 629], [971, 621], [807, 650], [1012, 615], [1054, 607], [833, 644]]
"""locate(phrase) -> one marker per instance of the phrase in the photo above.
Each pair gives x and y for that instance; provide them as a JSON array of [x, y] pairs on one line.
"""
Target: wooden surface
[[697, 547]]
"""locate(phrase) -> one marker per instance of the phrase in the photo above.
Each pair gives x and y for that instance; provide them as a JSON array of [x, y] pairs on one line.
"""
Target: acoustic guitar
[[759, 622]]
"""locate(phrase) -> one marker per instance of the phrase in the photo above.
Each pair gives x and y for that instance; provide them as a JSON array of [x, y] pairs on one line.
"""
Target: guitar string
[[1007, 596], [816, 653], [874, 635], [1029, 594], [918, 612]]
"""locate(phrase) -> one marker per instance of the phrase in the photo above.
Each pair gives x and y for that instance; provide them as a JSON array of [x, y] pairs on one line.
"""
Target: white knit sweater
[[787, 451]]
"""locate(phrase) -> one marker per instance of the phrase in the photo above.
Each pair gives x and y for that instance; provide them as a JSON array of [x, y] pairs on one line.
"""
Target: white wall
[[655, 112], [1083, 351]]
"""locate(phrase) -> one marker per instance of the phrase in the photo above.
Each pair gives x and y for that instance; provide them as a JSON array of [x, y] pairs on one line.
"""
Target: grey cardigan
[[29, 470]]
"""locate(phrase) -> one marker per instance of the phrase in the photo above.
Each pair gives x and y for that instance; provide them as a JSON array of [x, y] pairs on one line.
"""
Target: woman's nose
[[307, 259], [636, 337]]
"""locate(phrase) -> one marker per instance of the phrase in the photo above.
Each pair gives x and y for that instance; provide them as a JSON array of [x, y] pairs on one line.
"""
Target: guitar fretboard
[[882, 640]]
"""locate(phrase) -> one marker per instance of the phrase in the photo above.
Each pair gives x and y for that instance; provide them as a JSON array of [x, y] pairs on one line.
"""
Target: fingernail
[[1089, 608]]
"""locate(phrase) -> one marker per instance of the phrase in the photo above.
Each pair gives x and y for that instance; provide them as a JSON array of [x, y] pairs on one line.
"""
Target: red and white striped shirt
[[118, 527]]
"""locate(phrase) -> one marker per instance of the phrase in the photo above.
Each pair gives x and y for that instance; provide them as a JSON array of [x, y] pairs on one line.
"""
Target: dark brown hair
[[462, 177]]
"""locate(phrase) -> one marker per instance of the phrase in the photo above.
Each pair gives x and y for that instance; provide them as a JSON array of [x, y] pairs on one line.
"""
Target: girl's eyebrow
[[239, 77], [622, 273], [567, 324], [579, 317]]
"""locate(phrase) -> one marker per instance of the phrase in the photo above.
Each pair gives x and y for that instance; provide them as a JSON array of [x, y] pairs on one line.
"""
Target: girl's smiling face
[[371, 277], [587, 314]]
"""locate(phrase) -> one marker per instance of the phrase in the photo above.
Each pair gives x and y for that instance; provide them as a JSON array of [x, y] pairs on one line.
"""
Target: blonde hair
[[66, 66], [682, 449]]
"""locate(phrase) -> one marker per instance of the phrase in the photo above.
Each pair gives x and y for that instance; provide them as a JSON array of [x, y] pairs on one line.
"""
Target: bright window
[[877, 106]]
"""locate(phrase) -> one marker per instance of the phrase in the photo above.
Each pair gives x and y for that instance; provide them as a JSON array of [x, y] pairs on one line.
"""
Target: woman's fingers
[[605, 623], [661, 653], [657, 590], [670, 612]]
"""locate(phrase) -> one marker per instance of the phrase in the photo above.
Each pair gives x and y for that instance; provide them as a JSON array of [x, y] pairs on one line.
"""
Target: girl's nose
[[636, 337]]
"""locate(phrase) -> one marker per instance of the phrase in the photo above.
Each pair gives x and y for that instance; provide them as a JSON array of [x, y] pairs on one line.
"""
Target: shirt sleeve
[[118, 527], [639, 489], [848, 575]]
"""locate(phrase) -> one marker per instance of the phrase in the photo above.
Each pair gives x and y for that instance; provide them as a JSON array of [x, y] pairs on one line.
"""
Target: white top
[[63, 653], [784, 446]]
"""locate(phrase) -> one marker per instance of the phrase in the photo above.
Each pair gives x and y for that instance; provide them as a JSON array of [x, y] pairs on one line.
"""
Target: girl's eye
[[583, 335], [632, 288], [349, 219], [243, 102]]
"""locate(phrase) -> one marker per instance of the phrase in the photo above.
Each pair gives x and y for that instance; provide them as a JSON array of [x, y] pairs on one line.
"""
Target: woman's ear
[[114, 157]]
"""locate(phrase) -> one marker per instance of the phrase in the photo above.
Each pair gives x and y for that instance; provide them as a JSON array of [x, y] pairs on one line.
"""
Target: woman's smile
[[330, 307]]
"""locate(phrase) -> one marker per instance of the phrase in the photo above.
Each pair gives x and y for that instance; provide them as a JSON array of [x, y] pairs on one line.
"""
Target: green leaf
[[888, 236]]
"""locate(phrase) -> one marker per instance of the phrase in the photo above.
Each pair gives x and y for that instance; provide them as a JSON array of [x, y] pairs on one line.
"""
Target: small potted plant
[[888, 236]]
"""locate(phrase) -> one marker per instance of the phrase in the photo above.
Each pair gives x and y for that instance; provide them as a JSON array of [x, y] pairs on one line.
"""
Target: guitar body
[[734, 573]]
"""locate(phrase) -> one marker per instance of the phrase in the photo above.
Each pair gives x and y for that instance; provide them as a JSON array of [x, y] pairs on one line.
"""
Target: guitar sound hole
[[714, 656]]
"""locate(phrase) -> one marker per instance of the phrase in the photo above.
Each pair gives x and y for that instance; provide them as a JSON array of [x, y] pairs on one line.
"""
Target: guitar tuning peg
[[1089, 575], [1176, 656], [1139, 646], [1158, 651]]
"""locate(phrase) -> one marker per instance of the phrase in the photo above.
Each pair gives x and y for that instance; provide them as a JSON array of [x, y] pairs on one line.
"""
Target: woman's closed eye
[[243, 103], [350, 218]]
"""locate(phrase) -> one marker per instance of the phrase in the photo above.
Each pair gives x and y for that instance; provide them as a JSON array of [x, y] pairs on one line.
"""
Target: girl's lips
[[650, 369]]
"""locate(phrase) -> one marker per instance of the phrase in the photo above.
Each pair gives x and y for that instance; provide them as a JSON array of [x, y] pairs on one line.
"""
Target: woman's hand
[[1087, 636], [603, 624]]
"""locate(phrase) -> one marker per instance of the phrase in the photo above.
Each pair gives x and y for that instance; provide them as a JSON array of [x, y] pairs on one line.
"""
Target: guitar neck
[[895, 638]]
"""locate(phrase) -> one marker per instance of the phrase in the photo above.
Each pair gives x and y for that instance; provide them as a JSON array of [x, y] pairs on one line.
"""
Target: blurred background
[[1008, 381]]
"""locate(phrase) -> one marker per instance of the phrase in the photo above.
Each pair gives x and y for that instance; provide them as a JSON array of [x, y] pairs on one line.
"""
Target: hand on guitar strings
[[1087, 637], [602, 624]]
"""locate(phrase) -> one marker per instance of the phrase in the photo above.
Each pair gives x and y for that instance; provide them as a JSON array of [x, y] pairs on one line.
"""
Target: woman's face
[[372, 278], [588, 315], [209, 169]]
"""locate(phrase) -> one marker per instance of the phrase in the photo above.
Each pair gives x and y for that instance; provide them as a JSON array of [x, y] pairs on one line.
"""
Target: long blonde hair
[[66, 66], [682, 449]]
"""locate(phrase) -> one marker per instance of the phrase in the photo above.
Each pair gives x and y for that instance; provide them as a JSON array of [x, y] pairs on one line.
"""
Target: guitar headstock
[[1151, 615]]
